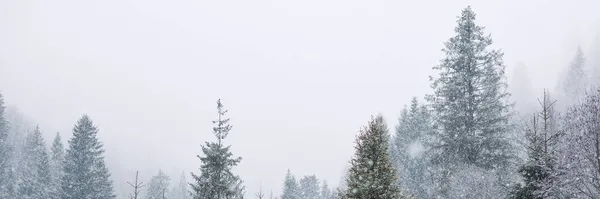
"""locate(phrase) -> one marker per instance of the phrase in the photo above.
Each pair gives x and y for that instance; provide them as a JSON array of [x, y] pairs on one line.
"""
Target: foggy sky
[[299, 77]]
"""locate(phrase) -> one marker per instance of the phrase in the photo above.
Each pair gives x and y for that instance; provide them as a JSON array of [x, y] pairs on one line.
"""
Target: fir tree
[[543, 136], [408, 147], [34, 171], [470, 104], [309, 187], [291, 189], [157, 188], [181, 190], [326, 193], [85, 173], [216, 179], [371, 174], [6, 153], [57, 159], [574, 84]]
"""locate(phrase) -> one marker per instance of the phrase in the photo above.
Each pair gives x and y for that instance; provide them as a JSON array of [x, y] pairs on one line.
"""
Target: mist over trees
[[473, 136]]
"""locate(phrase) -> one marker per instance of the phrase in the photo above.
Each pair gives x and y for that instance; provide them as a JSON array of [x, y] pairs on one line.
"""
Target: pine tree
[[470, 104], [291, 189], [521, 91], [6, 153], [543, 137], [574, 84], [408, 147], [181, 190], [57, 160], [578, 165], [325, 191], [309, 187], [34, 171], [85, 173], [157, 188], [216, 180], [372, 174]]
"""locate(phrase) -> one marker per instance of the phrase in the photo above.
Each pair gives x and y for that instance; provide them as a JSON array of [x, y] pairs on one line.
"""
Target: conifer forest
[[171, 102]]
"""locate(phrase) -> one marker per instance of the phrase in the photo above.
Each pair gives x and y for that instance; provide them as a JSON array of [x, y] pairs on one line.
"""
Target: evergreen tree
[[372, 174], [85, 173], [470, 104], [157, 188], [408, 147], [575, 82], [181, 190], [34, 171], [6, 153], [216, 180], [326, 193], [541, 163], [57, 160], [291, 189], [309, 187], [522, 92]]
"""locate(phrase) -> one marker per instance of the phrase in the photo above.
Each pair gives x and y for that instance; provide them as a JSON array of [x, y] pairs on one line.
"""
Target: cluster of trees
[[466, 140], [29, 170]]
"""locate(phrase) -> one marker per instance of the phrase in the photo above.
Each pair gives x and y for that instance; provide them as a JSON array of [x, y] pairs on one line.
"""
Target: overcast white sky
[[299, 77]]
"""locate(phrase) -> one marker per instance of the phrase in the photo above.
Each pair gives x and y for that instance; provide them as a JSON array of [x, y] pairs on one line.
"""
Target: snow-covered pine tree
[[291, 189], [34, 171], [543, 138], [181, 189], [470, 105], [408, 147], [574, 83], [6, 184], [578, 163], [216, 179], [309, 187], [371, 173], [326, 192], [57, 160], [157, 187], [85, 174]]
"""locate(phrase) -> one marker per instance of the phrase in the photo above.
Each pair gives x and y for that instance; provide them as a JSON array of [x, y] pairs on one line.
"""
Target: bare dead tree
[[136, 187]]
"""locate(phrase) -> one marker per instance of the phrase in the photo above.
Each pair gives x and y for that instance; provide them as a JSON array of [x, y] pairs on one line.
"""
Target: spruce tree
[[309, 187], [326, 193], [408, 149], [291, 189], [34, 171], [6, 186], [574, 84], [85, 173], [180, 190], [470, 105], [157, 188], [372, 174], [543, 137], [57, 159], [216, 179]]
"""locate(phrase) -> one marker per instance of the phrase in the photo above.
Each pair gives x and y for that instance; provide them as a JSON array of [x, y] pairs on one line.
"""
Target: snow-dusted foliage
[[216, 179], [470, 105], [6, 185], [371, 173], [34, 170], [543, 137], [578, 174], [309, 187], [85, 173], [157, 187], [291, 189], [57, 161], [181, 189], [408, 150], [326, 192]]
